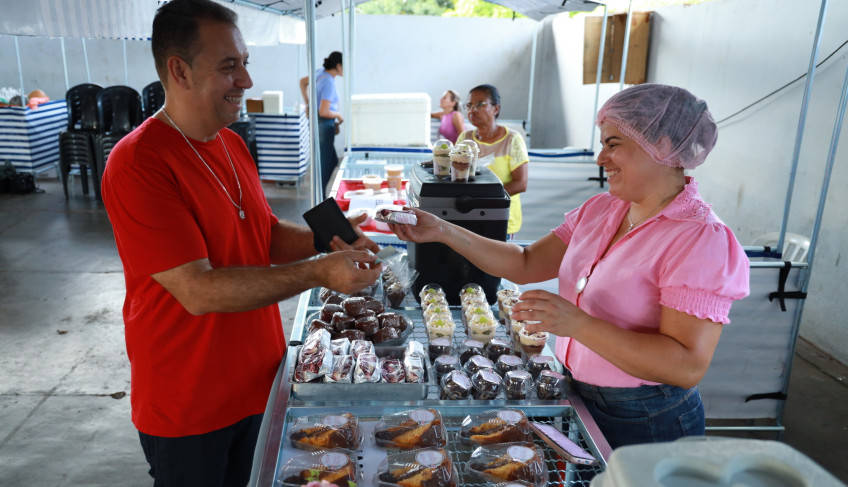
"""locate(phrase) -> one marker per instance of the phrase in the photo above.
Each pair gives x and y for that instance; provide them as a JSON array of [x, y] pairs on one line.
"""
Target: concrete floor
[[64, 375]]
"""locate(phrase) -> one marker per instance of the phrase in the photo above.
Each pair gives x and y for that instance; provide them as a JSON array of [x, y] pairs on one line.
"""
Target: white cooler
[[390, 119], [712, 461]]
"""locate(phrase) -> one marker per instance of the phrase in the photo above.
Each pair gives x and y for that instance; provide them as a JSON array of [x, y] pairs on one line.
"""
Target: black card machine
[[326, 220]]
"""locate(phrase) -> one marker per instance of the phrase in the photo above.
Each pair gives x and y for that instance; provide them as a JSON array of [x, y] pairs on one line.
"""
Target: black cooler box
[[480, 205]]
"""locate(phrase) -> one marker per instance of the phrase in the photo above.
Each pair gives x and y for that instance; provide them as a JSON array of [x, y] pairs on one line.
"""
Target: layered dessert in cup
[[431, 289], [506, 299], [532, 343], [475, 149], [481, 327], [441, 157], [461, 157], [515, 327], [440, 327]]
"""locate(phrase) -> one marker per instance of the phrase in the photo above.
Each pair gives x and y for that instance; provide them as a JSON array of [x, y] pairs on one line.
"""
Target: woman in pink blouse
[[647, 272], [451, 122]]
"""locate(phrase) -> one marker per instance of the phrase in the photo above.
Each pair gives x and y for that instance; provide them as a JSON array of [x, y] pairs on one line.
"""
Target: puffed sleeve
[[703, 272], [517, 152]]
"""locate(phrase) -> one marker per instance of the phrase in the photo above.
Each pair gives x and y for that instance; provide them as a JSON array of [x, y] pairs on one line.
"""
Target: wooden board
[[637, 55]]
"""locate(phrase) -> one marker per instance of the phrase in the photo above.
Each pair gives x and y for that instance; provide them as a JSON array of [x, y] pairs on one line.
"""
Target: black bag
[[11, 181]]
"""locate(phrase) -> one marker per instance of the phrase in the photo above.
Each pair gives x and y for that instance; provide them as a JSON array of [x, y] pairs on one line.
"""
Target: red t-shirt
[[190, 374]]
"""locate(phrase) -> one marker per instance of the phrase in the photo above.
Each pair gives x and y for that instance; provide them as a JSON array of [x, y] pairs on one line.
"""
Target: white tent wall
[[732, 53]]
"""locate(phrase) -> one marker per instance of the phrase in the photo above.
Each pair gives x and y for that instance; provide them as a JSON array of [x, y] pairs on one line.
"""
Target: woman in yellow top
[[506, 145]]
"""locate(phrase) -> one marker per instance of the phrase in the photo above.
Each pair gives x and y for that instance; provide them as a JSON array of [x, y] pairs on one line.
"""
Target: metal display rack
[[569, 415]]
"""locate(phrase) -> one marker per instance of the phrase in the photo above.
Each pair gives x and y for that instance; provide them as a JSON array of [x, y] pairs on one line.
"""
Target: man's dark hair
[[333, 60], [491, 92], [176, 29]]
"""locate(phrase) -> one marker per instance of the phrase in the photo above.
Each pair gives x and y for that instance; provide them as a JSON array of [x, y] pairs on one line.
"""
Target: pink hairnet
[[672, 125]]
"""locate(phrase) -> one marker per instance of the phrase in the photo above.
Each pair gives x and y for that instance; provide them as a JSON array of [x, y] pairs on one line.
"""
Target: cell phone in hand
[[566, 448], [327, 220]]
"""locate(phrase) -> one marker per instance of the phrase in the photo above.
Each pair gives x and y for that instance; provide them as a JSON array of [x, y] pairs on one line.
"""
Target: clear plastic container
[[441, 157], [532, 343], [325, 432], [419, 467], [518, 384], [455, 385], [431, 289], [482, 327], [441, 327], [550, 385], [496, 426], [486, 385], [462, 157], [509, 461], [417, 428], [475, 150], [335, 466]]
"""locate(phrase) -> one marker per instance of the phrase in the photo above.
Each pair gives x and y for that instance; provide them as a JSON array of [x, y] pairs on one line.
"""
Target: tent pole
[[345, 62], [126, 69], [598, 77], [528, 124], [85, 55], [65, 64], [315, 152], [20, 73], [349, 77], [802, 119], [626, 46]]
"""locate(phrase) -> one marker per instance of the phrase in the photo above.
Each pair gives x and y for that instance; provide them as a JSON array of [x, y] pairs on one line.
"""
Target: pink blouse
[[683, 258]]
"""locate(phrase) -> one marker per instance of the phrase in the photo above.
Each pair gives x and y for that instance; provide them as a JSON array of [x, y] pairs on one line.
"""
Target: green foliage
[[445, 8]]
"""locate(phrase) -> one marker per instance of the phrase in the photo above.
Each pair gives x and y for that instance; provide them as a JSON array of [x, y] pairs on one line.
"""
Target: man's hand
[[349, 271]]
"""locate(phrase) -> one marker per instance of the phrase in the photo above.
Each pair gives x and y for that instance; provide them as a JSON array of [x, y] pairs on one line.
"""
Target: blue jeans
[[221, 458], [326, 144], [645, 414]]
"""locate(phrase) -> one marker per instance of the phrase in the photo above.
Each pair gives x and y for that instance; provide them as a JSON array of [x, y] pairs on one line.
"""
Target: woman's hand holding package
[[428, 229], [553, 313]]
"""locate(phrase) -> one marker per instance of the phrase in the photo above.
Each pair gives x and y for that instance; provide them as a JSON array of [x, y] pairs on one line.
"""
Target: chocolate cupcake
[[351, 334], [518, 384], [550, 385], [369, 324], [538, 363], [485, 385], [439, 346], [455, 385], [342, 321], [496, 348], [328, 310], [477, 363], [444, 364], [385, 334], [354, 306], [470, 348], [507, 362]]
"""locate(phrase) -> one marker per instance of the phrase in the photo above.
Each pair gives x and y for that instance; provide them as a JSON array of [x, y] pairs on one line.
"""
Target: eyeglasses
[[476, 106]]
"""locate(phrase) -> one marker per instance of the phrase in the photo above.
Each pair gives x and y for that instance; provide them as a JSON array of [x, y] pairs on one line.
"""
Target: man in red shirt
[[205, 260]]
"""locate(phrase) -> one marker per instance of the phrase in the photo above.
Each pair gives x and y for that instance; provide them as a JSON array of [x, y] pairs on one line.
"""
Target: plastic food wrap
[[413, 365], [358, 347], [342, 369], [496, 426], [418, 428], [402, 217], [391, 370], [397, 279], [326, 431], [314, 365], [367, 369], [509, 462], [426, 467], [335, 466], [340, 346]]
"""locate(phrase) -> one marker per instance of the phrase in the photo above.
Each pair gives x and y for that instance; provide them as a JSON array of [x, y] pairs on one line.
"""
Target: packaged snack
[[455, 385], [340, 346], [431, 289], [413, 365], [477, 363], [496, 426], [358, 347], [335, 466], [472, 293], [444, 364], [391, 370], [497, 347], [509, 462], [426, 467], [537, 363], [506, 362], [325, 432], [486, 385], [469, 348], [441, 157], [440, 328], [342, 369], [550, 385], [532, 343], [418, 428], [481, 327], [439, 346], [518, 384], [414, 347], [352, 335], [367, 369], [403, 217]]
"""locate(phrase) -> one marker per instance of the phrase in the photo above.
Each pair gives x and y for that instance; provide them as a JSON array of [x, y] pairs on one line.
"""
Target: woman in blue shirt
[[329, 117]]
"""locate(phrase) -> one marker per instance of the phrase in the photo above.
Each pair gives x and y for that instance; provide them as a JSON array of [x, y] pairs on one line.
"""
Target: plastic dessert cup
[[532, 343], [440, 328], [441, 157]]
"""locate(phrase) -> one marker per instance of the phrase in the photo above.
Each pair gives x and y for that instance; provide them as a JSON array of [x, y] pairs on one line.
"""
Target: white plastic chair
[[795, 247]]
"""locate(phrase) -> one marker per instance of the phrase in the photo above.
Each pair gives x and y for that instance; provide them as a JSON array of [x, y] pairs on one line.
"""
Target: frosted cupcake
[[441, 157]]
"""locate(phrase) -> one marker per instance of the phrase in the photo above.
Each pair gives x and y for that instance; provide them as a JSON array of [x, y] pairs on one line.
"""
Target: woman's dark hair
[[491, 92], [333, 60], [176, 29]]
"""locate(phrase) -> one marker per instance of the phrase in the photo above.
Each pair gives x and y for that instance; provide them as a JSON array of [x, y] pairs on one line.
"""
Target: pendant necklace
[[238, 183], [630, 219]]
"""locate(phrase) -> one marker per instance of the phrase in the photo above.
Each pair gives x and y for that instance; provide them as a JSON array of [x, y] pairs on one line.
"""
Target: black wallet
[[326, 220]]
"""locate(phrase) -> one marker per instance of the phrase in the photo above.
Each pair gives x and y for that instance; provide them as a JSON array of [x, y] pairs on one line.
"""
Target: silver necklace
[[238, 183], [630, 219]]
